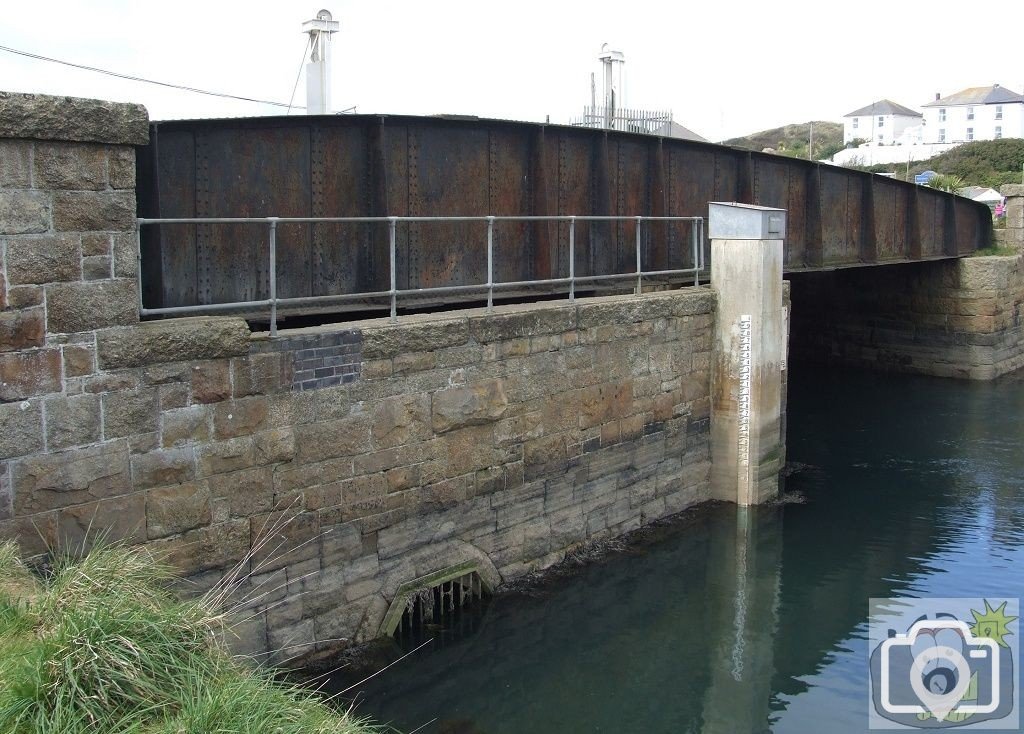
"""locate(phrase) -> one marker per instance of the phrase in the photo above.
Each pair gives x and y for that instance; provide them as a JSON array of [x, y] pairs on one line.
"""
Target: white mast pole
[[318, 70]]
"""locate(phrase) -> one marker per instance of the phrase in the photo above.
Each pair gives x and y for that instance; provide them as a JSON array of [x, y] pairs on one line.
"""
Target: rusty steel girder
[[372, 165]]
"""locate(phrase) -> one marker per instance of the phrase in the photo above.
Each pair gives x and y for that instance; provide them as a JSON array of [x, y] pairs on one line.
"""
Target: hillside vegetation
[[981, 163], [100, 645], [792, 140]]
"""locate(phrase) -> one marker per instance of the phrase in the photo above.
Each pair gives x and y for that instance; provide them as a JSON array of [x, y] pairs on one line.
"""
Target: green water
[[728, 622]]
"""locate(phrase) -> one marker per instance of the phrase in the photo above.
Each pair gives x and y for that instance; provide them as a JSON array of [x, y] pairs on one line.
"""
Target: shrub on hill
[[792, 140], [981, 163]]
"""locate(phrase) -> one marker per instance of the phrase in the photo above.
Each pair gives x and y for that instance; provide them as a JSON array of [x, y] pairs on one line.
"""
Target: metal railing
[[651, 122], [272, 302]]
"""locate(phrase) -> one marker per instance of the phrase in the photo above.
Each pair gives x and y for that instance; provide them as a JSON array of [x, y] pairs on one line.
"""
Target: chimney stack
[[937, 96]]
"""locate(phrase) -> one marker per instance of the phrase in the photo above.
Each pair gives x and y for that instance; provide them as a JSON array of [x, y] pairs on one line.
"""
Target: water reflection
[[745, 606], [753, 621]]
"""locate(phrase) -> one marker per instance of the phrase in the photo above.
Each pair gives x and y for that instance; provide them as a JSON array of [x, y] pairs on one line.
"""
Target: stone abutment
[[366, 454], [952, 318]]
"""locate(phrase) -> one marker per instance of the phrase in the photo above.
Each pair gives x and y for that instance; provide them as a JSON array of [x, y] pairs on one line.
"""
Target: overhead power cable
[[298, 75], [129, 77]]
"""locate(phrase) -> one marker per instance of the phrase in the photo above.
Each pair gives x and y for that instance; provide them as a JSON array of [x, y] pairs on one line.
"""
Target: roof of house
[[980, 193], [884, 107], [978, 95], [673, 129]]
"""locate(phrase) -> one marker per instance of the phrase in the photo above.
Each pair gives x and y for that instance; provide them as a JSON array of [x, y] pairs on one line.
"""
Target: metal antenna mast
[[614, 63], [318, 70]]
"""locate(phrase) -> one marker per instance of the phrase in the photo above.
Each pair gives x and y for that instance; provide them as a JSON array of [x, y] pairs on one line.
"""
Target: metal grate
[[445, 611]]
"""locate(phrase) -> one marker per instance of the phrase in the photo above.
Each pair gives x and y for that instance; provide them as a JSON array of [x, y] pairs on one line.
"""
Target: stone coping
[[628, 307], [47, 117], [172, 340]]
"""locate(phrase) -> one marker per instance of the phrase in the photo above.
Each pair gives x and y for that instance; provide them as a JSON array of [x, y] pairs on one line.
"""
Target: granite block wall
[[960, 318], [326, 466], [501, 439], [955, 318]]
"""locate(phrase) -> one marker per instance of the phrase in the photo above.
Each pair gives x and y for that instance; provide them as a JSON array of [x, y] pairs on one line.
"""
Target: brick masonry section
[[319, 360]]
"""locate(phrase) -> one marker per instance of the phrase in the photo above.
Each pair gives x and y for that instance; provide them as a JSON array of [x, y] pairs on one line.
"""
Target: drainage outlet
[[450, 600]]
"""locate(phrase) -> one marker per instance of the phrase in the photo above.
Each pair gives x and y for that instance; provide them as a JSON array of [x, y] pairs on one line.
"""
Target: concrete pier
[[750, 350]]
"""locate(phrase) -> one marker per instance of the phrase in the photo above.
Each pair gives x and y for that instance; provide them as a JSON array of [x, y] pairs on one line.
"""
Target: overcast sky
[[724, 68]]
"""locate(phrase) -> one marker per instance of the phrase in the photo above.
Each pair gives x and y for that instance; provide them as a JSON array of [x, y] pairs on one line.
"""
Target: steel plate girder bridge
[[463, 204]]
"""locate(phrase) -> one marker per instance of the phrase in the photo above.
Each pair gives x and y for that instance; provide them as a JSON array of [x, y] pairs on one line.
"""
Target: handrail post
[[490, 264], [703, 256], [392, 246], [572, 259], [639, 277], [273, 275], [138, 262], [694, 234]]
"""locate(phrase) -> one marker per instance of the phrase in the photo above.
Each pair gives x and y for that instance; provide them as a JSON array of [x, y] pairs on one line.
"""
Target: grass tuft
[[101, 645]]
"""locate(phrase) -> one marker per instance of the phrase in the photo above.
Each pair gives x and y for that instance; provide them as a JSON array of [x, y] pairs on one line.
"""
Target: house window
[[942, 114], [970, 113], [856, 120], [970, 133], [942, 135], [881, 121], [999, 132], [999, 112]]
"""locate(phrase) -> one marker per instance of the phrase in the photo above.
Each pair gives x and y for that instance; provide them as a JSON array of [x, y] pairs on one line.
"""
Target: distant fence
[[627, 120]]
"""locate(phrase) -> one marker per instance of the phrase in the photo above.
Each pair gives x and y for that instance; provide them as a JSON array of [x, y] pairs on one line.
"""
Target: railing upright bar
[[273, 276], [639, 272], [694, 234], [138, 260], [572, 260], [702, 244], [490, 264], [392, 249]]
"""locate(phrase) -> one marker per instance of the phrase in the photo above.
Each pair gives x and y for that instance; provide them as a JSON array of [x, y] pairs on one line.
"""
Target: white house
[[880, 123], [978, 113], [981, 193]]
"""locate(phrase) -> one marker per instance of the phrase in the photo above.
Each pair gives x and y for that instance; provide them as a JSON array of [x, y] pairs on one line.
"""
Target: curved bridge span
[[376, 166]]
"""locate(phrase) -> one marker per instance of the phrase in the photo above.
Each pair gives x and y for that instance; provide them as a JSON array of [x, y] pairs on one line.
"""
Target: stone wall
[[501, 439], [67, 267], [329, 465], [960, 318], [1012, 233]]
